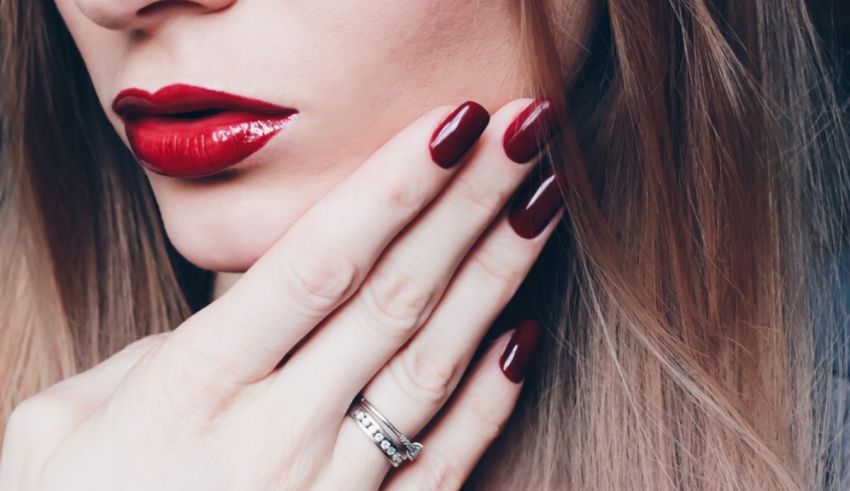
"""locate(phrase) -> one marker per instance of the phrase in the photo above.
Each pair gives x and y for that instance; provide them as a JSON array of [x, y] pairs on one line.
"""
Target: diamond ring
[[393, 444]]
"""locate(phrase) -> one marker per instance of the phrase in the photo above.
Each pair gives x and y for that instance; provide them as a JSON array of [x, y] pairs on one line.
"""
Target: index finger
[[323, 258]]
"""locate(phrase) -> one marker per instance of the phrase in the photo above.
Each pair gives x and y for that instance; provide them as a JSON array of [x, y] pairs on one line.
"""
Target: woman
[[689, 332]]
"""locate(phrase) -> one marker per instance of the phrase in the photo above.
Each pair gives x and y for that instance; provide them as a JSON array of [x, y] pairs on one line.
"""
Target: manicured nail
[[536, 204], [520, 350], [457, 133], [531, 130]]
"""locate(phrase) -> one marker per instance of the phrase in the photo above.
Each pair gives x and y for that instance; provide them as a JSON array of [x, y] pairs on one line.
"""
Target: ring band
[[386, 437], [388, 448], [411, 449]]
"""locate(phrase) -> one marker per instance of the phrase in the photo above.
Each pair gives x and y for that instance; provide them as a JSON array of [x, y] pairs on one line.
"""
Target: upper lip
[[182, 98]]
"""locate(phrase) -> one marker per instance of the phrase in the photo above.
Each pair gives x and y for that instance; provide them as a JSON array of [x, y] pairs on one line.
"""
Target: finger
[[324, 256], [421, 377], [458, 437], [476, 417], [409, 280]]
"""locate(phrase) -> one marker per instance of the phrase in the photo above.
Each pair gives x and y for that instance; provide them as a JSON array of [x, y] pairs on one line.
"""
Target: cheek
[[359, 72], [374, 65], [101, 49], [418, 51]]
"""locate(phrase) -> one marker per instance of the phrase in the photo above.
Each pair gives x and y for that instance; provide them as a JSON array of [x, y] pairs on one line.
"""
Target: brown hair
[[689, 294], [86, 268]]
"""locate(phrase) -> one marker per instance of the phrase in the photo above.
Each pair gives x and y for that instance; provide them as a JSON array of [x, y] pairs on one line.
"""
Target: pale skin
[[394, 267]]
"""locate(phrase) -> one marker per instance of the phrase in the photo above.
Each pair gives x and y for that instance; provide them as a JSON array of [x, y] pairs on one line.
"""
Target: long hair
[[85, 266], [690, 294]]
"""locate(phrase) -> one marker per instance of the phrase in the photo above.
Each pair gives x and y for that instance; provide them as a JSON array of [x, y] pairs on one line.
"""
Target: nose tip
[[141, 14]]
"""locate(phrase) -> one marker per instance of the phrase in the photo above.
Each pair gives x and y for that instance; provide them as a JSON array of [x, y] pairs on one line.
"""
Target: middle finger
[[409, 279]]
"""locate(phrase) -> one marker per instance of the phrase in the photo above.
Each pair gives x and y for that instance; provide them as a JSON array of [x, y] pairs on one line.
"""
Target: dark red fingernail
[[536, 204], [520, 350], [457, 133], [531, 130]]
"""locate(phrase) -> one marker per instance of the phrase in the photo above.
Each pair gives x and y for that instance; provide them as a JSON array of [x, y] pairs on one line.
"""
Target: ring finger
[[419, 379], [409, 279]]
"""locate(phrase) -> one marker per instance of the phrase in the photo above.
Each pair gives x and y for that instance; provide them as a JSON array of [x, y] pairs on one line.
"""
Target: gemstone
[[379, 437], [391, 451], [385, 444], [414, 449]]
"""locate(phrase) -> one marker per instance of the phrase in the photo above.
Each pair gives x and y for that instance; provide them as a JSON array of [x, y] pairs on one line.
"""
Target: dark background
[[833, 21]]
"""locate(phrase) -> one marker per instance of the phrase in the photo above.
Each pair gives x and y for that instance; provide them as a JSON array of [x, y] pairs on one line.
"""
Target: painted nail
[[536, 204], [530, 131], [520, 350], [457, 133]]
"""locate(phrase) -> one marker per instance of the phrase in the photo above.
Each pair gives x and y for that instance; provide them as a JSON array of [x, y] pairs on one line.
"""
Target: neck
[[223, 282]]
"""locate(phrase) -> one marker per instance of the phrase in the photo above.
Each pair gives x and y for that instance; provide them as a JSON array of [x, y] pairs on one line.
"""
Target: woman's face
[[356, 72]]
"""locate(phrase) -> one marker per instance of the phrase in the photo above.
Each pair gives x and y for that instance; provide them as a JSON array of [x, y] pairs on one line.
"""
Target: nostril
[[142, 15], [156, 7]]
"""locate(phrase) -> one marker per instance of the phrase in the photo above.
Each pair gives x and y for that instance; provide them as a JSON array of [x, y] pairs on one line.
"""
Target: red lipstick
[[186, 131]]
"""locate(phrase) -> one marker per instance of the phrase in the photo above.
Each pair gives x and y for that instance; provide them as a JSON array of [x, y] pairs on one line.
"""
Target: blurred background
[[833, 21]]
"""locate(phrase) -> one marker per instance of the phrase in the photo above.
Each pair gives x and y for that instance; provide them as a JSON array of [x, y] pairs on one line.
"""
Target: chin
[[228, 226], [226, 223], [222, 244]]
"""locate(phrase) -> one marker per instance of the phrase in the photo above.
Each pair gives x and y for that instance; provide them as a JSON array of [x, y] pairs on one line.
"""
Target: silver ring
[[383, 434], [411, 449]]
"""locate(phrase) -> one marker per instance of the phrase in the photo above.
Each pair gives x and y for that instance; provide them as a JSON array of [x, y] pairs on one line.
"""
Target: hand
[[384, 287]]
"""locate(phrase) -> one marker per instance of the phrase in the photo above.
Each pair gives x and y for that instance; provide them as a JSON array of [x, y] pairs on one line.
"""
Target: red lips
[[186, 131]]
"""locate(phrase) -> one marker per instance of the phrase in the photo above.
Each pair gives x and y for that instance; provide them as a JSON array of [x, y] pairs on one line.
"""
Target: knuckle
[[396, 300], [42, 414], [483, 197], [440, 471], [488, 418], [496, 267], [24, 415], [425, 374], [318, 277], [407, 195], [140, 347]]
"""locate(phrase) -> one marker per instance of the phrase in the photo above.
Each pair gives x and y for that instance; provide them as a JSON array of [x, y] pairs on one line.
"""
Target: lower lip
[[177, 147]]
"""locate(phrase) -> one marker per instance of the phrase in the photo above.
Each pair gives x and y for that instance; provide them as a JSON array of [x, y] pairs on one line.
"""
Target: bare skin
[[367, 268], [204, 407]]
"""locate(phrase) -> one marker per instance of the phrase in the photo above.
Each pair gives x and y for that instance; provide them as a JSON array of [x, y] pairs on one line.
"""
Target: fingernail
[[520, 350], [457, 133], [536, 204], [530, 131]]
